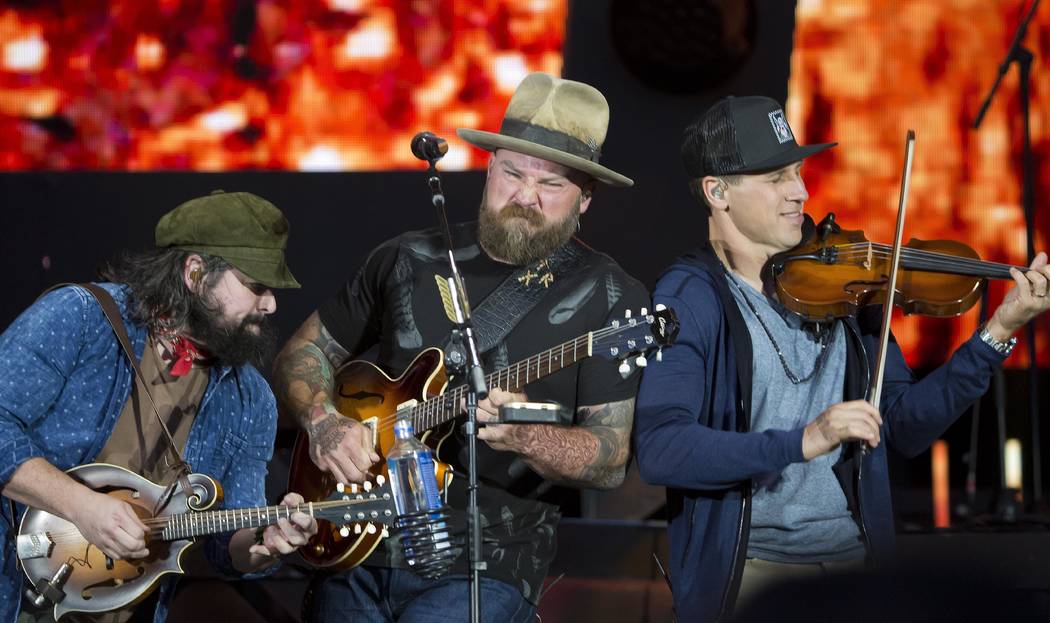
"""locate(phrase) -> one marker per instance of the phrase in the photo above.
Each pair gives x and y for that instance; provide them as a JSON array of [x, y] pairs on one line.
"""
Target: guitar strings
[[437, 405]]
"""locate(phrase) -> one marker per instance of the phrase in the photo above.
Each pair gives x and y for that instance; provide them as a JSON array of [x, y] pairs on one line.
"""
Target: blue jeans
[[382, 595]]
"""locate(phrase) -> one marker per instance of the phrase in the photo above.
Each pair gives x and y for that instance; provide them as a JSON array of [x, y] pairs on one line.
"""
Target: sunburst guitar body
[[365, 394]]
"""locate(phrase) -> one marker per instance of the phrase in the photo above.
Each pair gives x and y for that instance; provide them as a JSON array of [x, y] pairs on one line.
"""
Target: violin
[[834, 272]]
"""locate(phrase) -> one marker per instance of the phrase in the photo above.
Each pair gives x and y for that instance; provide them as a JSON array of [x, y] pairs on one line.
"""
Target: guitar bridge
[[37, 545]]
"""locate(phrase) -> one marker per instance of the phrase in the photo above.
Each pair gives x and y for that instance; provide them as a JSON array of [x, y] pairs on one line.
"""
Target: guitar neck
[[186, 525], [513, 378]]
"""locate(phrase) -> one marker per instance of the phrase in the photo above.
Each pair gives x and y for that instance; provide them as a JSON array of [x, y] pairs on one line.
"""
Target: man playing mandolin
[[746, 421], [549, 288], [195, 311]]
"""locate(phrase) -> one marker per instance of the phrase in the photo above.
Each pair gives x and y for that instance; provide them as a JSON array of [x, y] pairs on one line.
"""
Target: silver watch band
[[1003, 348]]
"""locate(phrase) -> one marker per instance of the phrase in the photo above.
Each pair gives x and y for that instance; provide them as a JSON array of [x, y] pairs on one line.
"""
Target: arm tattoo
[[592, 454], [327, 432], [332, 349], [304, 370]]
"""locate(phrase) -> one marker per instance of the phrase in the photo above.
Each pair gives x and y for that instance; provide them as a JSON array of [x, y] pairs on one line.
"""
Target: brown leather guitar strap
[[112, 312]]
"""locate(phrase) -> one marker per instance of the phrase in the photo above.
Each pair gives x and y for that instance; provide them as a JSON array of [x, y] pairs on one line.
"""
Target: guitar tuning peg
[[659, 354], [380, 480], [640, 361], [626, 313], [340, 487], [645, 312], [624, 369], [344, 532], [660, 307], [357, 528]]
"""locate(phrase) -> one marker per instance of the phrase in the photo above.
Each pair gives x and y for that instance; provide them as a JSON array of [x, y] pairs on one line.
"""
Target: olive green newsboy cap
[[247, 231]]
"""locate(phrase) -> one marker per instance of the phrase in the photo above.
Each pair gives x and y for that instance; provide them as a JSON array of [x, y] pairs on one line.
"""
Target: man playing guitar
[[541, 175]]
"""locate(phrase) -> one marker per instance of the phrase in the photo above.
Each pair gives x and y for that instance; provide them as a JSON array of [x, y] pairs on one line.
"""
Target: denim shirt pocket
[[216, 461]]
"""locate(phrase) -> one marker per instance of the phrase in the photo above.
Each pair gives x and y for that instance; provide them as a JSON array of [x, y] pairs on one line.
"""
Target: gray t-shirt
[[799, 515]]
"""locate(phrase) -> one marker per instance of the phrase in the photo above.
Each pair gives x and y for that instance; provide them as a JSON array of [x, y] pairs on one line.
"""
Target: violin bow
[[875, 390]]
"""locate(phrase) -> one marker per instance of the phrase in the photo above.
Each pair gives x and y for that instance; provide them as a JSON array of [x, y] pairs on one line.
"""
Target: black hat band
[[516, 128]]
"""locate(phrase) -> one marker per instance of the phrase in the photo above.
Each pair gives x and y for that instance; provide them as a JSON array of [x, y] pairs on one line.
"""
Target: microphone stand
[[1023, 57], [476, 390]]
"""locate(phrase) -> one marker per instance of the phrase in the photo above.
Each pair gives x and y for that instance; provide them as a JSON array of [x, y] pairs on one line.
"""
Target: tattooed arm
[[591, 454], [304, 383]]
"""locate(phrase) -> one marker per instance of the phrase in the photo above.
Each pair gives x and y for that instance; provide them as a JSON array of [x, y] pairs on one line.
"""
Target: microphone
[[428, 146]]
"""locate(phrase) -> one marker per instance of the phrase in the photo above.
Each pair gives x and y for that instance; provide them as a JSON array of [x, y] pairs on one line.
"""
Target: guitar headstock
[[636, 336], [359, 508]]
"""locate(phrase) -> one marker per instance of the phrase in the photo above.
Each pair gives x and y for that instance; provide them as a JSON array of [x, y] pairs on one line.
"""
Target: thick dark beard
[[232, 345], [507, 238]]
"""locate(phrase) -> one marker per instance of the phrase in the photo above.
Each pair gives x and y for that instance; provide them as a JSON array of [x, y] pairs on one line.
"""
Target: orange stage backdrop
[[863, 72], [217, 85]]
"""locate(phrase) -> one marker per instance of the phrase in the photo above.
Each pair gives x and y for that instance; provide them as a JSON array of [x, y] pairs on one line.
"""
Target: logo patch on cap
[[780, 126]]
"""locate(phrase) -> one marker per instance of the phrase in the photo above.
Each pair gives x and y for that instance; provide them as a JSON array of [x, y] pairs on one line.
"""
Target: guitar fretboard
[[513, 378]]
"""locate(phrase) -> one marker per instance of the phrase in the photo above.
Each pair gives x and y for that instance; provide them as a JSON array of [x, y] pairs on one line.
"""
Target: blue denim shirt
[[65, 381]]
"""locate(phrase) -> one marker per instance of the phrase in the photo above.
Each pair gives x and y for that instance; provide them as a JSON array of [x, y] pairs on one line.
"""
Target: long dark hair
[[160, 298]]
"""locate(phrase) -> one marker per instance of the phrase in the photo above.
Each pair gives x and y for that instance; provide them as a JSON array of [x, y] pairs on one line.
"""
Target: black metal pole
[[1024, 64], [975, 426], [1023, 57], [477, 390]]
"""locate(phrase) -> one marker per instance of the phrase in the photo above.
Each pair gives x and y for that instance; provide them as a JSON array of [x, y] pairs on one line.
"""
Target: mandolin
[[64, 568]]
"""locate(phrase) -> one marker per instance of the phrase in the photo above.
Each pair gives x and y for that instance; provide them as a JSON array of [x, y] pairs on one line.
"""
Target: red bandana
[[184, 352]]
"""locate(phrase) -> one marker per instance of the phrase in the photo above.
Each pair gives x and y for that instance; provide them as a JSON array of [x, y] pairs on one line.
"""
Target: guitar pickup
[[408, 404], [37, 545]]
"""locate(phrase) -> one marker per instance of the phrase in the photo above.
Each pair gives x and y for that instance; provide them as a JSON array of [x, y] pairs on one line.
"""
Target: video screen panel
[[865, 71], [222, 85]]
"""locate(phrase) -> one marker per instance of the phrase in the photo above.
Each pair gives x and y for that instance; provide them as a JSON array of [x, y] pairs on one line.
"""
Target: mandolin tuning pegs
[[357, 528], [624, 369], [344, 532], [626, 313], [380, 480], [660, 307], [659, 354], [640, 361], [367, 485], [371, 529], [385, 533], [645, 312], [340, 487], [353, 488]]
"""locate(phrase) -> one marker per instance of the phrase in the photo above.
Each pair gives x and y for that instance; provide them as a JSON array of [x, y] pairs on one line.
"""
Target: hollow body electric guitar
[[67, 570], [367, 395]]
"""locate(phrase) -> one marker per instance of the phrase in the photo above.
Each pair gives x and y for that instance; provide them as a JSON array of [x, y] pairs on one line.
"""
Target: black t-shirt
[[393, 304]]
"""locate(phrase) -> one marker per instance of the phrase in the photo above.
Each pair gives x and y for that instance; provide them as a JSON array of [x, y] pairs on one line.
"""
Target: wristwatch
[[1003, 348]]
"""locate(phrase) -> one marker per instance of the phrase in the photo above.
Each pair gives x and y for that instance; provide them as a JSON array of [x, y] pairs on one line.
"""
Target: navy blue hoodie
[[692, 431]]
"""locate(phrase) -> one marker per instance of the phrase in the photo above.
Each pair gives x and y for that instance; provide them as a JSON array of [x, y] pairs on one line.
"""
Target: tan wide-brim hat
[[562, 121]]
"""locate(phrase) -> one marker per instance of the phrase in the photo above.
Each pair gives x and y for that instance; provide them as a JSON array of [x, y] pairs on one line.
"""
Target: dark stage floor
[[610, 576]]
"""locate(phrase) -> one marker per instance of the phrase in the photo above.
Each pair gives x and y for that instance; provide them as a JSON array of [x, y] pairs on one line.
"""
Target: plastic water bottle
[[414, 485]]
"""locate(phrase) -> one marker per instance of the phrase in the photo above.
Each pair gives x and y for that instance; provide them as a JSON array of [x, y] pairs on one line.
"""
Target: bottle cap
[[403, 426]]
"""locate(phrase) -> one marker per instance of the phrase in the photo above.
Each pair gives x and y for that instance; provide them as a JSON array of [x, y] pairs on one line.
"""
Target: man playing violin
[[748, 419], [195, 309]]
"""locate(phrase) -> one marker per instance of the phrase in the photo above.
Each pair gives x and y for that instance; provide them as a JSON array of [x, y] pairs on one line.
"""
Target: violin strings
[[930, 258], [937, 264], [919, 253]]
